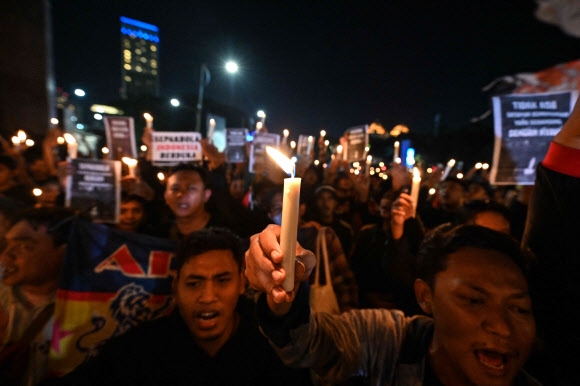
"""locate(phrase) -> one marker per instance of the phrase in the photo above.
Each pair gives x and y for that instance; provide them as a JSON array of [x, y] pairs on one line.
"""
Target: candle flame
[[129, 161], [397, 143], [451, 163], [284, 162], [416, 173], [478, 165], [21, 135], [105, 150], [485, 166], [29, 142], [16, 140], [37, 192], [148, 117], [292, 144], [69, 138], [339, 149], [322, 133], [161, 176], [212, 122], [326, 143], [310, 138], [60, 140], [286, 132], [369, 159]]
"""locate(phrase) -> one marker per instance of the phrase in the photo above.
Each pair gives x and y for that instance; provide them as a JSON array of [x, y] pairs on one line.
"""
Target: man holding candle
[[472, 280]]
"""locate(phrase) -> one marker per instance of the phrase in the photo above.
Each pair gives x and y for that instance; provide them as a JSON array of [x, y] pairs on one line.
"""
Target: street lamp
[[174, 102], [204, 79]]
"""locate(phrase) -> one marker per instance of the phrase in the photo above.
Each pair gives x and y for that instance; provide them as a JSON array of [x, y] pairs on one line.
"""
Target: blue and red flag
[[111, 282]]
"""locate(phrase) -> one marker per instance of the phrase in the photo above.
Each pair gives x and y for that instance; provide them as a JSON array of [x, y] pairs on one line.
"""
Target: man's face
[[30, 257], [344, 188], [484, 326], [326, 203], [237, 189], [206, 293], [186, 194], [451, 194], [131, 215]]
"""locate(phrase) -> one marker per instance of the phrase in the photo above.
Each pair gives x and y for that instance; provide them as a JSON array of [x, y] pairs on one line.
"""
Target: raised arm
[[264, 271]]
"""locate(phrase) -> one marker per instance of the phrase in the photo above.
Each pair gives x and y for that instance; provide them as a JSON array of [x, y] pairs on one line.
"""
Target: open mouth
[[492, 359], [207, 315]]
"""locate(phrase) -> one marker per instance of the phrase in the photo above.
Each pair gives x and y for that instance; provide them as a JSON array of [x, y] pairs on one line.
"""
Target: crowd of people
[[453, 289]]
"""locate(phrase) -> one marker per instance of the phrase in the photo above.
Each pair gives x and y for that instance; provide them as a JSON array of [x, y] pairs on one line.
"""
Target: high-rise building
[[139, 58]]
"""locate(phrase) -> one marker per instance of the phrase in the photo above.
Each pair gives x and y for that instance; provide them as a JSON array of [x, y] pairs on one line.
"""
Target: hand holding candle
[[290, 211]]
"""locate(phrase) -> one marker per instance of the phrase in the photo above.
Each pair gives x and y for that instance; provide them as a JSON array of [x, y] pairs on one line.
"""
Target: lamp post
[[204, 79]]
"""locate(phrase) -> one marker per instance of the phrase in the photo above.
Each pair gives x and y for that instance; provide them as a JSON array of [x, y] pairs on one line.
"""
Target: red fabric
[[563, 159]]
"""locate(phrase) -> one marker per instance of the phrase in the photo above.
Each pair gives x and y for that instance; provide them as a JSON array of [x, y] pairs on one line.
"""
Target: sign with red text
[[524, 126], [173, 148], [120, 132]]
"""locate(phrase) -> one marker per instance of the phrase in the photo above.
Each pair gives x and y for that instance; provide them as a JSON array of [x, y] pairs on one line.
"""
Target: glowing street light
[[232, 67], [80, 92], [174, 102]]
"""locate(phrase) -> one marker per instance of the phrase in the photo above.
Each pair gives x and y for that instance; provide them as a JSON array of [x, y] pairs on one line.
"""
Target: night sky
[[323, 64]]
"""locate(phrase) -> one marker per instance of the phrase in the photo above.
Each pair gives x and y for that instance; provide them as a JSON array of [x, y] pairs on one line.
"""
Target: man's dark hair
[[56, 220], [205, 240], [447, 239], [471, 209], [188, 167]]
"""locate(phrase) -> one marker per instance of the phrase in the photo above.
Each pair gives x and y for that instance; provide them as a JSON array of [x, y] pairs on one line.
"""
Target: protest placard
[[94, 188], [173, 148], [357, 141], [258, 148], [305, 146], [236, 145], [524, 126], [120, 133]]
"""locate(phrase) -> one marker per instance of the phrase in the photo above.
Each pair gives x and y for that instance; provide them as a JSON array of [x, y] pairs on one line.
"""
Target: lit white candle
[[71, 145], [369, 162], [339, 151], [286, 133], [415, 189], [21, 136], [16, 142], [310, 144], [448, 168], [148, 120], [323, 133], [396, 157], [290, 211], [131, 164], [210, 130]]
